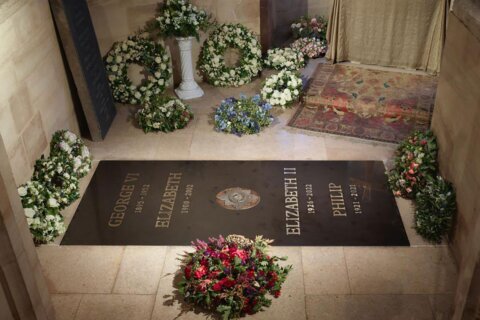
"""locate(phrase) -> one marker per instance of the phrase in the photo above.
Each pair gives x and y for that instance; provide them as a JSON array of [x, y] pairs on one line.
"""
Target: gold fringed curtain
[[399, 33]]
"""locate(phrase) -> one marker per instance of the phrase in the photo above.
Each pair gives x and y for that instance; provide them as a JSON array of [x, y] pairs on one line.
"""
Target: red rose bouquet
[[232, 275], [415, 162]]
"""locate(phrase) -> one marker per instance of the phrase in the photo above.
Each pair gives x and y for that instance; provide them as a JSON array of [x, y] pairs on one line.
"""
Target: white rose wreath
[[282, 89], [212, 61], [151, 55]]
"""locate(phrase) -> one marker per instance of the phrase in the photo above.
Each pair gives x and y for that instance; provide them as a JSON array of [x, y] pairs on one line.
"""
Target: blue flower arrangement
[[243, 116]]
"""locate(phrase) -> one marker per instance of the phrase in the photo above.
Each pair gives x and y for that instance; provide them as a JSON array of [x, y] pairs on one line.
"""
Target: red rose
[[277, 294], [188, 272], [217, 286], [228, 283], [226, 263], [200, 272]]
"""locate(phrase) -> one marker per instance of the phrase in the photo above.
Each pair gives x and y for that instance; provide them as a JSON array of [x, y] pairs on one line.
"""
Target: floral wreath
[[243, 116], [212, 61], [151, 55], [165, 114], [284, 59], [57, 175], [282, 89]]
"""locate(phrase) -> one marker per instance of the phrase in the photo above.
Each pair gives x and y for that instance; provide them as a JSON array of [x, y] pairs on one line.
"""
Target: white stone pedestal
[[188, 89]]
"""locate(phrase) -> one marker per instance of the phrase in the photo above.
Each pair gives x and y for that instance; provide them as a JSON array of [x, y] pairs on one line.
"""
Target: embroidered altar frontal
[[296, 203]]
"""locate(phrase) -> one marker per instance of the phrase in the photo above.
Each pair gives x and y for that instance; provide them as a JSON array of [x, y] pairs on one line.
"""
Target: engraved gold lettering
[[123, 200], [337, 201], [167, 205]]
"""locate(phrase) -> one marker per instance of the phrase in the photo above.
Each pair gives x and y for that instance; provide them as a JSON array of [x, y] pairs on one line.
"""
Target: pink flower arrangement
[[315, 27], [310, 47], [232, 276]]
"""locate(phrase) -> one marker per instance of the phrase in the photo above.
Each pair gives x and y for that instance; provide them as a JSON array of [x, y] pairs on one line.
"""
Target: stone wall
[[114, 20], [35, 101], [456, 123], [319, 7], [35, 98]]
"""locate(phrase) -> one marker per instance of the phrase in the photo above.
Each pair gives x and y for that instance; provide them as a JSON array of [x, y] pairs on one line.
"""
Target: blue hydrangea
[[242, 116]]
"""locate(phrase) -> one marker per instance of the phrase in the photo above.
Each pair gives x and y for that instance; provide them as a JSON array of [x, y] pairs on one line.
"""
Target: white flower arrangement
[[42, 212], [151, 55], [66, 144], [57, 175], [164, 114], [179, 18], [54, 185], [282, 89], [310, 47], [212, 61], [284, 59]]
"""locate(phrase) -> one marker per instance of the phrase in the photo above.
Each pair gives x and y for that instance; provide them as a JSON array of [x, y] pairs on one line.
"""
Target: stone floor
[[127, 282]]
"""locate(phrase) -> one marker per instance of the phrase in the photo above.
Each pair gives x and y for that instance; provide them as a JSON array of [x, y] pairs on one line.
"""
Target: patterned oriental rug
[[369, 104]]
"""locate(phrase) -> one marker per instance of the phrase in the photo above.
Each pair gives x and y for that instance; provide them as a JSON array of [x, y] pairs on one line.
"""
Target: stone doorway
[[276, 16]]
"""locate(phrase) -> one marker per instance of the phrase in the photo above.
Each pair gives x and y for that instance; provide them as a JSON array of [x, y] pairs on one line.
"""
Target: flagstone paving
[[116, 282]]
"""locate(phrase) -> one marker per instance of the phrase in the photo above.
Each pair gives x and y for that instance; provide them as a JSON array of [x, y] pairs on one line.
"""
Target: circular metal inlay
[[237, 198]]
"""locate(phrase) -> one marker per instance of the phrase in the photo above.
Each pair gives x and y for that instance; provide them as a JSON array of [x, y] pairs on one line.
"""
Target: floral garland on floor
[[284, 59], [282, 89], [57, 175], [42, 212], [66, 144], [436, 206], [415, 176], [232, 276], [164, 114], [179, 18], [212, 61], [310, 47], [149, 54], [415, 160], [54, 185], [242, 116]]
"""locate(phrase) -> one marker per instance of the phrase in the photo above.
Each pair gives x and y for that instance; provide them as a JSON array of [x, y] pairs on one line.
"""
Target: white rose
[[29, 212], [64, 146], [77, 163], [158, 60], [85, 152], [22, 191], [163, 66], [118, 59], [53, 203], [138, 95]]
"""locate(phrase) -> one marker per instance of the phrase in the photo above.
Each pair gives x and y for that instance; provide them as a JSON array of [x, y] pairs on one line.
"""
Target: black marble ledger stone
[[318, 203]]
